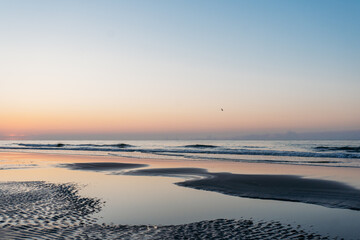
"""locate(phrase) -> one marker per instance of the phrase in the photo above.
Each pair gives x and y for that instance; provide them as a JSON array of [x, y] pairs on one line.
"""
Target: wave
[[241, 151], [214, 146], [253, 147], [293, 162], [198, 149], [342, 148], [200, 146], [42, 145], [119, 145]]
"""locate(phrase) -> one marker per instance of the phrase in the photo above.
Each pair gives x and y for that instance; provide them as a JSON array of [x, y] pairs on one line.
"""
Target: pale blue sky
[[169, 66]]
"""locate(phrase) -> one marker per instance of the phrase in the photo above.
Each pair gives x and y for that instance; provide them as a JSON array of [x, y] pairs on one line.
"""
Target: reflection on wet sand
[[277, 187], [32, 210], [147, 195]]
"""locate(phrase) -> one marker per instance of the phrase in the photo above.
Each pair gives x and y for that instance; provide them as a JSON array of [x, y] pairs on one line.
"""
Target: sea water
[[316, 153]]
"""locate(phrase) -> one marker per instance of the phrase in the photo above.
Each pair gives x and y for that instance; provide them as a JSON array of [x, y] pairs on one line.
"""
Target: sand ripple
[[40, 210]]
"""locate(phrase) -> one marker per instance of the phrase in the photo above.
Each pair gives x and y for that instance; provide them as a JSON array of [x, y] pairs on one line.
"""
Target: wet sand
[[276, 187], [51, 210], [39, 210]]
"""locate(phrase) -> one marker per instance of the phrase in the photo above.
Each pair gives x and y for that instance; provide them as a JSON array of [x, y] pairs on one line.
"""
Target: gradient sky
[[84, 68]]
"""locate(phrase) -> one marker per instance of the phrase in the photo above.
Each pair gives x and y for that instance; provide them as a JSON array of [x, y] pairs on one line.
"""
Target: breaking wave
[[200, 146], [321, 151], [119, 145], [342, 148]]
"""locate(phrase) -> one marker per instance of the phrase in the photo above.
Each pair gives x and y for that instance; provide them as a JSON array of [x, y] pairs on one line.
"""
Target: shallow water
[[156, 200]]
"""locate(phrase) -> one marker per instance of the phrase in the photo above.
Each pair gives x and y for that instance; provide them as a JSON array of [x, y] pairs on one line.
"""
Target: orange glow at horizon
[[17, 124], [75, 69]]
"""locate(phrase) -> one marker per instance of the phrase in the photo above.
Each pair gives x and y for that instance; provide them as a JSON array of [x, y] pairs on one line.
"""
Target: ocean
[[314, 153]]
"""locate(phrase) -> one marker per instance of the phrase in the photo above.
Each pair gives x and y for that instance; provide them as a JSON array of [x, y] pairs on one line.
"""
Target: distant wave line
[[217, 151], [341, 148]]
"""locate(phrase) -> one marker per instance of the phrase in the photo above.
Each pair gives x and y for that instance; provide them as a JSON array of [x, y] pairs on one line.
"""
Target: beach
[[180, 120], [57, 195]]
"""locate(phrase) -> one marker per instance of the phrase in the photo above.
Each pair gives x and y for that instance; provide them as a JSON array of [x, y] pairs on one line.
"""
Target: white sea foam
[[319, 153]]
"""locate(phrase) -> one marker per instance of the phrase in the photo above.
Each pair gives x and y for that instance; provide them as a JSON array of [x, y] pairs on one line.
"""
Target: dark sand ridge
[[101, 166], [40, 210], [276, 187]]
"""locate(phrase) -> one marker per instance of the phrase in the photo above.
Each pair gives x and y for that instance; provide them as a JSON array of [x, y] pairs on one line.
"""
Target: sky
[[164, 69]]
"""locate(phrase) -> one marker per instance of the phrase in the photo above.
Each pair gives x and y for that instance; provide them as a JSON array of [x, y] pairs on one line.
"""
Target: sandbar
[[275, 187]]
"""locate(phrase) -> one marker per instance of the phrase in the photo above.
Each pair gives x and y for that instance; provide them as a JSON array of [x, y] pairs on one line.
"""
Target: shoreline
[[70, 216], [350, 176], [123, 192]]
